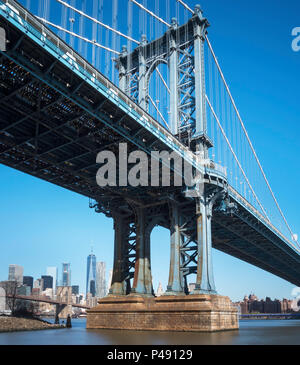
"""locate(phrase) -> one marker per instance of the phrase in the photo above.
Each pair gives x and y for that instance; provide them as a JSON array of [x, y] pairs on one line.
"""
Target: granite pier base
[[199, 313]]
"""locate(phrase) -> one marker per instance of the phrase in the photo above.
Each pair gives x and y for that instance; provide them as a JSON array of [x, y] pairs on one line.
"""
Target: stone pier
[[197, 313]]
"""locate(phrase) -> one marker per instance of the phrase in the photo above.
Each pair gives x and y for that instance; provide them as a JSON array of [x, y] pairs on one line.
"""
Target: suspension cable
[[235, 157], [162, 79], [149, 12], [186, 6], [249, 141], [97, 21], [78, 36], [158, 111]]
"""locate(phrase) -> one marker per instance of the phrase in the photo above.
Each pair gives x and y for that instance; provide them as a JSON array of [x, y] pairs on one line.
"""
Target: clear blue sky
[[44, 225]]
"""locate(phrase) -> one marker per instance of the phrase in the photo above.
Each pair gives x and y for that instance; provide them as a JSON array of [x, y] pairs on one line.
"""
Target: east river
[[251, 332]]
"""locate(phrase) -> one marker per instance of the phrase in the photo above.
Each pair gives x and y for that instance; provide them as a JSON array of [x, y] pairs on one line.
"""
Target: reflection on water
[[251, 332]]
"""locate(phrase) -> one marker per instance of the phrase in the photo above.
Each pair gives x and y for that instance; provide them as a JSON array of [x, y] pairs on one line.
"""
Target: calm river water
[[251, 332]]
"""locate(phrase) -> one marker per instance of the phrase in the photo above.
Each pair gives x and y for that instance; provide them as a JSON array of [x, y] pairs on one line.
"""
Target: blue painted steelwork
[[60, 51], [238, 198], [96, 80], [111, 92], [2, 39]]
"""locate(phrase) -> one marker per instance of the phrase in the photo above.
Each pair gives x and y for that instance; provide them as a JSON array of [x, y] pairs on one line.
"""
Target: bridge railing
[[80, 65], [256, 213]]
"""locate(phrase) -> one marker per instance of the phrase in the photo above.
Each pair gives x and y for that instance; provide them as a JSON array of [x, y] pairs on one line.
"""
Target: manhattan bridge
[[75, 82]]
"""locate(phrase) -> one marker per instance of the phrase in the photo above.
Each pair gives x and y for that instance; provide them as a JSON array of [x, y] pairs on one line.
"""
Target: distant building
[[24, 290], [47, 282], [15, 273], [286, 306], [2, 300], [52, 271], [251, 304], [91, 301], [82, 299], [48, 292], [66, 274], [91, 275], [160, 290], [75, 289], [244, 305], [109, 281], [28, 280], [74, 299], [100, 280], [191, 287], [38, 284], [36, 292]]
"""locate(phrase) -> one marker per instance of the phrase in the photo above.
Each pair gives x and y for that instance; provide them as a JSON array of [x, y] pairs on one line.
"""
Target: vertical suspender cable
[[150, 12], [114, 40], [236, 158], [250, 143], [81, 32], [66, 5]]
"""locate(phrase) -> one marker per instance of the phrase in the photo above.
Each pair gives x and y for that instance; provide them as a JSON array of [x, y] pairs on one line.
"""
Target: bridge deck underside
[[243, 236], [53, 124]]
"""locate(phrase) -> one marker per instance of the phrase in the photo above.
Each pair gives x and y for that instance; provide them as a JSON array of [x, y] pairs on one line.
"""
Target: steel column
[[210, 272], [118, 282], [122, 72], [173, 61], [142, 75], [142, 281], [205, 281], [175, 285], [200, 103]]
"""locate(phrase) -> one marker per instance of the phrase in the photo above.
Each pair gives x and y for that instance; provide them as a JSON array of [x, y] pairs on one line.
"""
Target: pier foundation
[[199, 313]]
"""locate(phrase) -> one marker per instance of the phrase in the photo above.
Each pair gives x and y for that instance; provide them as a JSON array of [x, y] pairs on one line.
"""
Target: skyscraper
[[109, 281], [38, 284], [15, 273], [91, 275], [52, 271], [160, 290], [28, 280], [47, 282], [66, 275], [100, 280]]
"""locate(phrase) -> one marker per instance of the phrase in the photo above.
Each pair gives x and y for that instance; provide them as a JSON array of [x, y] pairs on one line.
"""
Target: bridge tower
[[181, 48], [64, 294], [187, 214]]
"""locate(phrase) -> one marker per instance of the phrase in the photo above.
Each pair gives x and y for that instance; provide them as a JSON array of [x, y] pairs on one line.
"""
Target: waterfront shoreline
[[17, 324], [285, 332]]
